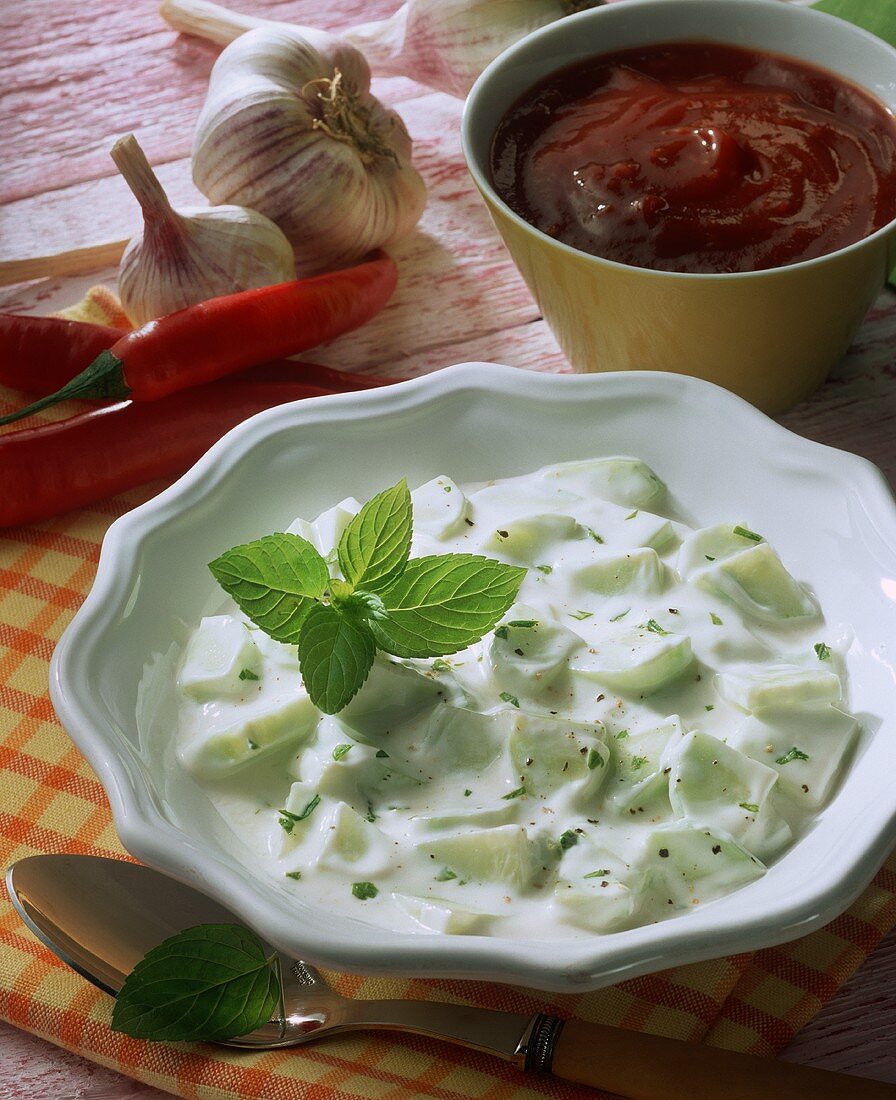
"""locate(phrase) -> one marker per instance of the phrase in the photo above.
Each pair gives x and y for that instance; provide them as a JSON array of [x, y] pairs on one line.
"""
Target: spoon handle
[[652, 1067]]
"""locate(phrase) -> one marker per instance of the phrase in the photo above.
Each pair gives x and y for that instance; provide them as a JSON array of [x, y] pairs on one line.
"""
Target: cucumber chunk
[[747, 573], [503, 854], [712, 780], [528, 660], [685, 864], [218, 651], [393, 694], [779, 687], [442, 915], [248, 733], [598, 905], [549, 753], [625, 481], [806, 747], [636, 660], [355, 846], [637, 571], [459, 740], [532, 539], [440, 508]]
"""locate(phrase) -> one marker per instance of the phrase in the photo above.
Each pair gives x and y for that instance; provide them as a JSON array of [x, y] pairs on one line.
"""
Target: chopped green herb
[[709, 706], [594, 759], [467, 793], [546, 569], [445, 875], [523, 622], [716, 621], [514, 793], [364, 890], [446, 488], [638, 762], [791, 755], [709, 557], [503, 535], [746, 533], [822, 651], [440, 665], [750, 807], [593, 534], [621, 736], [506, 697], [381, 754], [601, 873], [568, 840], [340, 751], [501, 632], [248, 674], [371, 816], [632, 515], [288, 819], [253, 745], [621, 615], [580, 615], [654, 627], [294, 875]]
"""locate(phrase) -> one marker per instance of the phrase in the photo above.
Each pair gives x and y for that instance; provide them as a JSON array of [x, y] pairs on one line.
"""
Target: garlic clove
[[289, 128], [188, 256], [207, 20]]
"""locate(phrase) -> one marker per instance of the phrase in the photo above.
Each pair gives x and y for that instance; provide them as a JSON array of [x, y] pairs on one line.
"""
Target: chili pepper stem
[[103, 379]]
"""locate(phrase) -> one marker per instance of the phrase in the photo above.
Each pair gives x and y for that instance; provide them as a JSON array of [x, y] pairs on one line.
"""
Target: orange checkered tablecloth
[[50, 801]]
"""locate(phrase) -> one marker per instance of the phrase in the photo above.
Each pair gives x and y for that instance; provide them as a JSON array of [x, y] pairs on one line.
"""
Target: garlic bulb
[[289, 127], [444, 44], [189, 256]]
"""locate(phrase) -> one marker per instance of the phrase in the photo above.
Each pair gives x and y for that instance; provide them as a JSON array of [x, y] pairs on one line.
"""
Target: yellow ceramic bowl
[[770, 336]]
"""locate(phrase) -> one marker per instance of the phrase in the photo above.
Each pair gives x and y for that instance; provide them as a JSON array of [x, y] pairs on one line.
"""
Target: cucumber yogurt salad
[[652, 716]]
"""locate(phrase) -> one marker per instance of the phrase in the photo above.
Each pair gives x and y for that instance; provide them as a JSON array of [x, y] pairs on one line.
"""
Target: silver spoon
[[101, 916]]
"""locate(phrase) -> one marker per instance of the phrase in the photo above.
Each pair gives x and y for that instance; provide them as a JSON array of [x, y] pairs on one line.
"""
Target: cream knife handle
[[651, 1067]]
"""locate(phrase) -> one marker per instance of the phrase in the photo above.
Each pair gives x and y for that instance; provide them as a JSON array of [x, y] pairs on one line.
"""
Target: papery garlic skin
[[446, 44], [185, 257], [218, 250], [263, 141]]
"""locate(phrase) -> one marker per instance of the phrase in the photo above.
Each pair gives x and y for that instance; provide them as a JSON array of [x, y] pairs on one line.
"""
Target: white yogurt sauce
[[647, 728]]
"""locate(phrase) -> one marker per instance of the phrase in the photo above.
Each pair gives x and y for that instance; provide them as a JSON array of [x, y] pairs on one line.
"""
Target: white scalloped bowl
[[829, 513]]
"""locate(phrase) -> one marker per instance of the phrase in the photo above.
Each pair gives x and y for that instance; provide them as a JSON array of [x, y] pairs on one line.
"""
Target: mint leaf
[[374, 548], [275, 581], [364, 890], [791, 755], [335, 655], [746, 533], [209, 983], [443, 603], [822, 651]]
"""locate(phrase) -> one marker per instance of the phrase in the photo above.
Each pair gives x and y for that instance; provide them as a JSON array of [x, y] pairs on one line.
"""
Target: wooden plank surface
[[75, 77]]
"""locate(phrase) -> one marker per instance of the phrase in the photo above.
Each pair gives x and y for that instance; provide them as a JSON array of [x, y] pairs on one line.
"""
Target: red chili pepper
[[53, 468], [41, 354], [225, 335]]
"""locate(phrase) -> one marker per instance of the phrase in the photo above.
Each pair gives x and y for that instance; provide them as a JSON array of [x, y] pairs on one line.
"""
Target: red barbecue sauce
[[699, 157]]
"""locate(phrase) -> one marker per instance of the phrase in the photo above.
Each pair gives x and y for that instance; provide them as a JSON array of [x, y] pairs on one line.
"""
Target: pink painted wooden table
[[76, 77]]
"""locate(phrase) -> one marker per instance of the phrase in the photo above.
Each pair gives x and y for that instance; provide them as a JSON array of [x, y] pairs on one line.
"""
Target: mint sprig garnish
[[420, 607], [207, 984]]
